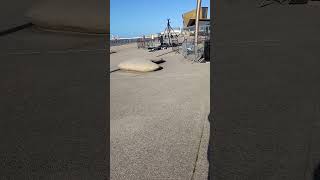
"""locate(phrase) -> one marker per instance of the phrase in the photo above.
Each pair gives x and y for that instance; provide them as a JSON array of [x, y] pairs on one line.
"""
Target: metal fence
[[147, 43], [118, 42], [196, 53], [187, 48]]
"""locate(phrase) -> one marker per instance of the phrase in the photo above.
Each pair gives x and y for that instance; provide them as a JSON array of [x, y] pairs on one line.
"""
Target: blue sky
[[129, 18]]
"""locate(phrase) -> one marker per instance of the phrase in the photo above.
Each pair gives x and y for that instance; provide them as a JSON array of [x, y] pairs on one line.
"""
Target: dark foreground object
[[87, 16], [265, 120], [53, 113]]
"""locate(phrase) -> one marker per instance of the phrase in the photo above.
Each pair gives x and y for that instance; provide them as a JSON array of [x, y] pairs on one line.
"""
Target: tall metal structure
[[170, 35]]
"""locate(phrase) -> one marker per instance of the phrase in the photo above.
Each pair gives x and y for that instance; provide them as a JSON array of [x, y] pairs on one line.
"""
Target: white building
[[175, 30]]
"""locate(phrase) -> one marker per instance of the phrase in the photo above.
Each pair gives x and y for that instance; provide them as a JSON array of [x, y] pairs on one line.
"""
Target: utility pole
[[197, 28]]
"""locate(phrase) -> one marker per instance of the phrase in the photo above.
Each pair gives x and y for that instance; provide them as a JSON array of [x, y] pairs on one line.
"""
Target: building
[[204, 26], [189, 18], [189, 21], [175, 30]]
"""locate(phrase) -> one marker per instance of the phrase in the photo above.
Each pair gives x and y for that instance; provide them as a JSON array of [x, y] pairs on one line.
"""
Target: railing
[[118, 42], [147, 43]]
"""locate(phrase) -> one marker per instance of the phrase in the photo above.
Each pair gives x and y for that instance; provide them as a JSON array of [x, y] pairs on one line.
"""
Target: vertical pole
[[197, 28], [168, 29]]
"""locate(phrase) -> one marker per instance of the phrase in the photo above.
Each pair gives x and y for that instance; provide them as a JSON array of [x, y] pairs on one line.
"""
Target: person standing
[[161, 41]]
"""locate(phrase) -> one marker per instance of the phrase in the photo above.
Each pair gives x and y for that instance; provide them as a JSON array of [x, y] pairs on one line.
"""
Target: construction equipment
[[170, 36]]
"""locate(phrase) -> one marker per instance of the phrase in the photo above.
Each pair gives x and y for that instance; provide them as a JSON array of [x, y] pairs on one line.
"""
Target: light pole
[[197, 28]]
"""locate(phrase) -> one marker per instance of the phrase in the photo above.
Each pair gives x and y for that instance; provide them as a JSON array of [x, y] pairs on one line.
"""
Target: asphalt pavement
[[159, 127]]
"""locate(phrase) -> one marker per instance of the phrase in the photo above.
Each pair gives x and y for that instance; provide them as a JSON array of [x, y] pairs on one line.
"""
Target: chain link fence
[[199, 52], [148, 43], [119, 42], [193, 52], [184, 44]]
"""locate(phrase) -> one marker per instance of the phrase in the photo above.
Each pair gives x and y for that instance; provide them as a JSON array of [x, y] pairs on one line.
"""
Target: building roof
[[189, 17]]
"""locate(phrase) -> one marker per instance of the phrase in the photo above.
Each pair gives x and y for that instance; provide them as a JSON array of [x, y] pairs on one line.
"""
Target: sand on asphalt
[[157, 118]]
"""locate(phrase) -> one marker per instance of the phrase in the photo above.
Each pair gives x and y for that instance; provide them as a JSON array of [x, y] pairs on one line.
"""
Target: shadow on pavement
[[210, 149], [316, 173]]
